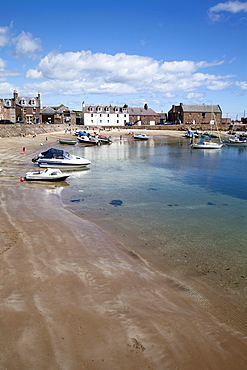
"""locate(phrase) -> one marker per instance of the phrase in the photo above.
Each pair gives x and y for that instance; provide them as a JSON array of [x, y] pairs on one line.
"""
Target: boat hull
[[67, 142], [206, 146]]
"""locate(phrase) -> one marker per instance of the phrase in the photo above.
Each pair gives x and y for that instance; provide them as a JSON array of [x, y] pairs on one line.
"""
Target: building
[[195, 114], [58, 115], [117, 116], [143, 116], [104, 115], [20, 108]]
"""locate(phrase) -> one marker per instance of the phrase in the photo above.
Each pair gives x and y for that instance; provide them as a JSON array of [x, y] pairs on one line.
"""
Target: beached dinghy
[[60, 159], [49, 174], [67, 142]]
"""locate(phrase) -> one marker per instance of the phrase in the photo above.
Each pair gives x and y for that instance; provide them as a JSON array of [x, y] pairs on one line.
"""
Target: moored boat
[[68, 142], [206, 145], [49, 174], [57, 158], [88, 139], [238, 141], [140, 137]]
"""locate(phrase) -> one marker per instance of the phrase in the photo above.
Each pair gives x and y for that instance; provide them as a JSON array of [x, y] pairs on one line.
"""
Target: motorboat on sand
[[59, 158], [140, 137], [49, 174]]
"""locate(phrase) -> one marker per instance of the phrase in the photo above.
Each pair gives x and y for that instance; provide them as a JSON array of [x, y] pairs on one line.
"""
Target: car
[[129, 124], [19, 122], [5, 121]]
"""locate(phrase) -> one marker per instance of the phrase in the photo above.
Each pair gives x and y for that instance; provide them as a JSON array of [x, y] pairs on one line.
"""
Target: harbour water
[[183, 211]]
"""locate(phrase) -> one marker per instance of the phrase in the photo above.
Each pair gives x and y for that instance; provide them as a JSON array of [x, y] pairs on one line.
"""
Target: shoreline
[[72, 298]]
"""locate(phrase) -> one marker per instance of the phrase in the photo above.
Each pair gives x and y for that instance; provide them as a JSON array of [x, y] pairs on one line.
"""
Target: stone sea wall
[[25, 130]]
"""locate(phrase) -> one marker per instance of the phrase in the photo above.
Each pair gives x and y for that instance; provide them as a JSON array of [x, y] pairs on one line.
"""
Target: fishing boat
[[49, 174], [238, 141], [68, 142], [59, 158], [140, 137]]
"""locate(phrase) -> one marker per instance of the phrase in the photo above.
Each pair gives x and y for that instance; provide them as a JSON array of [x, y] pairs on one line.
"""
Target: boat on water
[[68, 142], [49, 174], [206, 145], [238, 141], [57, 158], [140, 137]]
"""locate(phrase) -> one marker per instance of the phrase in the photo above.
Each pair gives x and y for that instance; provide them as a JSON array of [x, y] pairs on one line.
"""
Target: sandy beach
[[72, 298]]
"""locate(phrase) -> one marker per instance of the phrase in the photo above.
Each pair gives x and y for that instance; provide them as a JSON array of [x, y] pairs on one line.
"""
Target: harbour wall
[[36, 129]]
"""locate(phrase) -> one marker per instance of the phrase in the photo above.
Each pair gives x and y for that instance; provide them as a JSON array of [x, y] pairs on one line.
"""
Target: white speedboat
[[206, 145], [60, 159], [49, 174], [140, 137], [88, 139]]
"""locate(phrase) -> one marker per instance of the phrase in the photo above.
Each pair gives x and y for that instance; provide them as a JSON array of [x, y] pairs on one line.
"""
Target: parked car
[[5, 121], [129, 124], [19, 122]]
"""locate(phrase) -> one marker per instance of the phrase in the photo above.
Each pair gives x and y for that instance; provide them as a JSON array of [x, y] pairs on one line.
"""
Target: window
[[91, 114], [203, 115]]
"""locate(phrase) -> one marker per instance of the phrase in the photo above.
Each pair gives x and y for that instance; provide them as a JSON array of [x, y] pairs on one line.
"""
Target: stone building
[[20, 108], [143, 116], [195, 114], [58, 115]]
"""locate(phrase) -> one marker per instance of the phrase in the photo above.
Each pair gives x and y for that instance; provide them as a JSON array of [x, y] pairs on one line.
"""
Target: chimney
[[15, 95], [146, 106]]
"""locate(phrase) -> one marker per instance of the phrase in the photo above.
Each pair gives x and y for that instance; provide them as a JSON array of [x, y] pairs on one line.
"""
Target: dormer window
[[116, 109], [8, 103], [22, 101], [90, 109], [107, 109], [98, 109], [32, 102]]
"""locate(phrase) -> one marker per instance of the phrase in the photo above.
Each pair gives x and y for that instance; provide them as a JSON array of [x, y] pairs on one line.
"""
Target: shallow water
[[184, 211]]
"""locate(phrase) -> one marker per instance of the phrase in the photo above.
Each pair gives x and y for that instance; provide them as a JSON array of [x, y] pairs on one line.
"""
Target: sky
[[134, 52]]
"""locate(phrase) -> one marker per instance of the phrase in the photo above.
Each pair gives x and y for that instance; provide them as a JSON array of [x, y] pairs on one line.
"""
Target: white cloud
[[6, 88], [4, 36], [229, 6], [194, 95], [76, 73], [26, 45], [242, 85]]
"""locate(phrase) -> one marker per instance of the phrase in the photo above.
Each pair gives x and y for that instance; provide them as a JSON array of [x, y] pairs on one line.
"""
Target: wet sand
[[72, 298]]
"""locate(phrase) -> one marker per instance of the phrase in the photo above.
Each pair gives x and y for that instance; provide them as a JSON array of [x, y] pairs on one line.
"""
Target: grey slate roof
[[136, 111], [201, 108]]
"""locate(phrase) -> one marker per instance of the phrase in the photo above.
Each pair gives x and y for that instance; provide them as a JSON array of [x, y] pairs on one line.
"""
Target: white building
[[103, 116]]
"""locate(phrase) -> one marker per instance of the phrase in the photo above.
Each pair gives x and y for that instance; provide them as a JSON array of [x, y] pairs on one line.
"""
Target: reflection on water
[[183, 210]]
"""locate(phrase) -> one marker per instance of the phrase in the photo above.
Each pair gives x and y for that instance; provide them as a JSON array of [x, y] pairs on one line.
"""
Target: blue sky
[[104, 52]]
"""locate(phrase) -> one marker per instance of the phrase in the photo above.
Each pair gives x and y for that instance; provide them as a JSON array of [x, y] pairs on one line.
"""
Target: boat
[[92, 140], [49, 174], [190, 134], [140, 137], [238, 141], [68, 142], [206, 145], [59, 158], [105, 139]]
